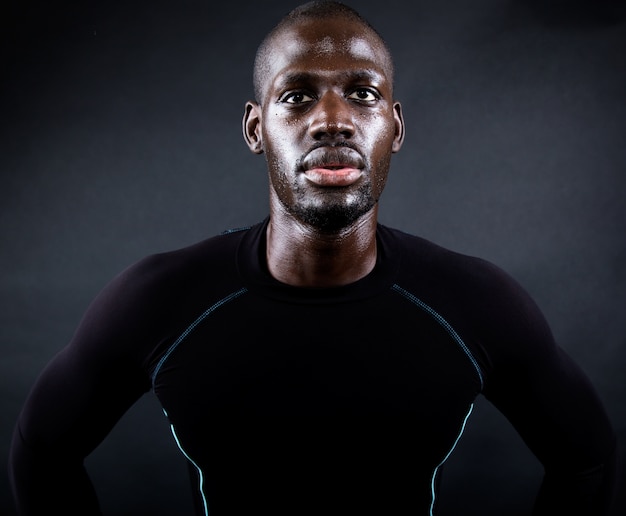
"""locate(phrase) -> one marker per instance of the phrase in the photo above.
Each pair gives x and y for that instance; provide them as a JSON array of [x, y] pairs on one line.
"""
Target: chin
[[331, 219]]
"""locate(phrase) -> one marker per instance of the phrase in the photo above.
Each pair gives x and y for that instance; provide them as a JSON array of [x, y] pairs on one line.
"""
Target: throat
[[319, 261]]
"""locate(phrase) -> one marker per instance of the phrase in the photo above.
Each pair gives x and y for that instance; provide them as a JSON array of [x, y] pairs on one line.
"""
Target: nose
[[331, 117]]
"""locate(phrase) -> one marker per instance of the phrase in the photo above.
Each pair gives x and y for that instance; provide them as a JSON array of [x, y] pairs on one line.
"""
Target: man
[[316, 362]]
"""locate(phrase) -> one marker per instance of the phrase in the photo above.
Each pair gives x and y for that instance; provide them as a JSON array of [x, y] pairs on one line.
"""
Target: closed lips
[[332, 158]]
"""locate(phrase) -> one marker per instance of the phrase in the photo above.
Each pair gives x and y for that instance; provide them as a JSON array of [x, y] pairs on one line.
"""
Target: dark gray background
[[121, 136]]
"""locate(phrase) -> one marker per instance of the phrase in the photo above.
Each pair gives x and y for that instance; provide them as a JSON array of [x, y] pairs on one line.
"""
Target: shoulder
[[159, 282], [436, 265], [206, 260], [158, 295], [483, 301]]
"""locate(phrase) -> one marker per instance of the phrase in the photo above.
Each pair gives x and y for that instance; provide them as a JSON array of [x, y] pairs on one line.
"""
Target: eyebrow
[[369, 76]]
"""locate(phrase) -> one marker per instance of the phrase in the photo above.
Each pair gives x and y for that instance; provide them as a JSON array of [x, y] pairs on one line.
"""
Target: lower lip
[[332, 177]]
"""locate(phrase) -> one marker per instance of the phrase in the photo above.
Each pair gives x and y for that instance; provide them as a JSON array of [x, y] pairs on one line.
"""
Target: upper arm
[[76, 400], [557, 411], [89, 384], [538, 386]]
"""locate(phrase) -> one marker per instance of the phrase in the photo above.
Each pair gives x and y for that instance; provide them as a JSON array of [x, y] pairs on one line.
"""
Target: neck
[[300, 255]]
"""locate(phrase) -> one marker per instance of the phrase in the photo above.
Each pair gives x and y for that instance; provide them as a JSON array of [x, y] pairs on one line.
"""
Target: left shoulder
[[433, 262], [468, 289]]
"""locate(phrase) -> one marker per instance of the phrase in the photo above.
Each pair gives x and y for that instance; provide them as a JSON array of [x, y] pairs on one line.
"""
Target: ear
[[399, 120], [251, 126]]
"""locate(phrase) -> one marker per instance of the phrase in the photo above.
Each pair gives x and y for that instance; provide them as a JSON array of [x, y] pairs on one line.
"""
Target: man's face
[[327, 121]]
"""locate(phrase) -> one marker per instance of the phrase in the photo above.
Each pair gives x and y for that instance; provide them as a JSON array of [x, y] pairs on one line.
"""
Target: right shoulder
[[158, 295], [157, 283], [199, 263]]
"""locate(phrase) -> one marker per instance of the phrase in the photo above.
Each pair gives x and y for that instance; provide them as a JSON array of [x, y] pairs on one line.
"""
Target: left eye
[[297, 97], [363, 94]]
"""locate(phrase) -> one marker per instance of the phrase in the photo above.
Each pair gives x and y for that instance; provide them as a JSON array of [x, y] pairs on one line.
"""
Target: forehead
[[327, 45]]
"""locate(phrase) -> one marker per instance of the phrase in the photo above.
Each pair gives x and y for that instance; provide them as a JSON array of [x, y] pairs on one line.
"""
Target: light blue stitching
[[200, 475], [235, 230], [446, 325], [183, 335], [432, 482]]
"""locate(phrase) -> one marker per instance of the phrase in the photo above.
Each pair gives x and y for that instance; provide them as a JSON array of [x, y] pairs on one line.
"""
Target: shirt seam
[[192, 326], [445, 325]]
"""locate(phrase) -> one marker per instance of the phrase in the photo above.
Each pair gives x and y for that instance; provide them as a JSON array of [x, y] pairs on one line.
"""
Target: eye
[[296, 97], [364, 95]]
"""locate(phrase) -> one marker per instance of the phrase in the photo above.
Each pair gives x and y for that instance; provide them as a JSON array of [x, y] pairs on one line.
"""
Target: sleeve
[[552, 404], [73, 405]]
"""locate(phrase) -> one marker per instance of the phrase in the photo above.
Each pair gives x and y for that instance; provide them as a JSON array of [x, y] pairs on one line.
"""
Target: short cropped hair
[[316, 9]]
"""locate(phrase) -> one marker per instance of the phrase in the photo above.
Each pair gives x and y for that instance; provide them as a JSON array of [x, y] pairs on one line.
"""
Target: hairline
[[314, 10]]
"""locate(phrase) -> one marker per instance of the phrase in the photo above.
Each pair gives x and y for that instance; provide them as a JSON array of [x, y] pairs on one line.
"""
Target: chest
[[370, 359]]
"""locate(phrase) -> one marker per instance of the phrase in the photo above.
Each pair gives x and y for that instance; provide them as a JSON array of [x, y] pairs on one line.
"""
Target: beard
[[327, 210], [333, 211]]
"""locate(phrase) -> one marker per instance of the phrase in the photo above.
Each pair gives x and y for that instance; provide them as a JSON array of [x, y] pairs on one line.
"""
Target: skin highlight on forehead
[[361, 49], [291, 43], [358, 47], [344, 35], [325, 46]]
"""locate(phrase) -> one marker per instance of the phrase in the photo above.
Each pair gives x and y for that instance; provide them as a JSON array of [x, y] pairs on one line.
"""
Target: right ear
[[251, 126]]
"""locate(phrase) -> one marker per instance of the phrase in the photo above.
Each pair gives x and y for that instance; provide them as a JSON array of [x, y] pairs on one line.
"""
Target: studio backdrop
[[120, 136]]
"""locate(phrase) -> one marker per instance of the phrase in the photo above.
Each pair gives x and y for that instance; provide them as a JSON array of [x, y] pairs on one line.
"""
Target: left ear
[[251, 126], [399, 122]]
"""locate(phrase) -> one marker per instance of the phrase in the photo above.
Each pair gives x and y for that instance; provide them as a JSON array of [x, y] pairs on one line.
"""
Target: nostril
[[331, 117], [332, 128]]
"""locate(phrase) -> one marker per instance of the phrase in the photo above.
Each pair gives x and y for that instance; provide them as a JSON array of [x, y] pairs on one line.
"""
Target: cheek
[[281, 158], [281, 139], [380, 135], [379, 132]]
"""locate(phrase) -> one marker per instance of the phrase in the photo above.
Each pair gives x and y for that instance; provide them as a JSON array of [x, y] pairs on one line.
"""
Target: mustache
[[324, 155]]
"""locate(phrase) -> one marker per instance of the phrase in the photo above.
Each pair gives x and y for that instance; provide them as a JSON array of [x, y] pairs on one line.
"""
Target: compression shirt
[[313, 401]]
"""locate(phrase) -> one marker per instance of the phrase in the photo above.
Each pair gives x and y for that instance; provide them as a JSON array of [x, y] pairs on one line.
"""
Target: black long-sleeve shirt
[[301, 401]]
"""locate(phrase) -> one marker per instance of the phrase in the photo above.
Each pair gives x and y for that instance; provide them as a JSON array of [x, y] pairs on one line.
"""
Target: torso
[[301, 400]]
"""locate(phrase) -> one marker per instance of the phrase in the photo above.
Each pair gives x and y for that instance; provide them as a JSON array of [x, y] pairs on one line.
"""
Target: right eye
[[296, 97]]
